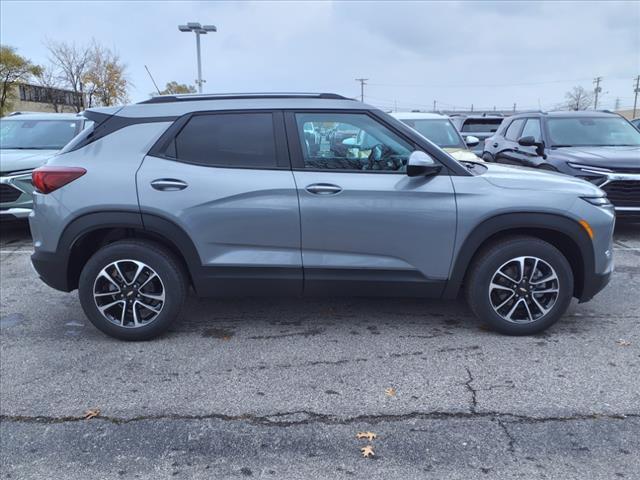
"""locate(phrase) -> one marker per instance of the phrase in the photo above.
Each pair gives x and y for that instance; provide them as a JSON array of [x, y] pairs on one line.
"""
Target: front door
[[368, 228]]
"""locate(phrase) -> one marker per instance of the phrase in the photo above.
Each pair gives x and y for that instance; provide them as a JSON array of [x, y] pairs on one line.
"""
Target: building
[[35, 98]]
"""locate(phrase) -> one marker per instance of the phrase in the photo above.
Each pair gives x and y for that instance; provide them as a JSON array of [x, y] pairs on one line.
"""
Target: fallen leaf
[[367, 451], [91, 413], [390, 392], [368, 435], [623, 343]]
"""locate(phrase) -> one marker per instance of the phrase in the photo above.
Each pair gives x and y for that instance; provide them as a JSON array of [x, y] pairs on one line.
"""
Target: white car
[[441, 131]]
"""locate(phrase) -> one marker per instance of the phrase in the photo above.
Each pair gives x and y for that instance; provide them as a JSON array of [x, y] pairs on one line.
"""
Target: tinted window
[[481, 125], [227, 140], [594, 131], [532, 129], [350, 142], [37, 134], [513, 130], [439, 131]]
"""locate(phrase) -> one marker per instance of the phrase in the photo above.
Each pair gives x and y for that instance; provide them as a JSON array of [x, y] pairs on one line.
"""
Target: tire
[[152, 294], [486, 289], [487, 157]]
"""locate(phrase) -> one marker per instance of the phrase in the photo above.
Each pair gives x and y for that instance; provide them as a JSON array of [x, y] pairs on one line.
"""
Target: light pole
[[198, 29]]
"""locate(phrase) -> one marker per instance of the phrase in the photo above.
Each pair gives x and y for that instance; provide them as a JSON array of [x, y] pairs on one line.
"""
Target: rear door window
[[227, 140]]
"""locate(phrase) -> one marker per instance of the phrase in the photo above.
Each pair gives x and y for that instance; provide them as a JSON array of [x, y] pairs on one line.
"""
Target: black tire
[[168, 269], [487, 157], [485, 266]]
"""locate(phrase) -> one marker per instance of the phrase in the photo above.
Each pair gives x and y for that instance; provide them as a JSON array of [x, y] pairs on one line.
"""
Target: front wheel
[[520, 285], [132, 289]]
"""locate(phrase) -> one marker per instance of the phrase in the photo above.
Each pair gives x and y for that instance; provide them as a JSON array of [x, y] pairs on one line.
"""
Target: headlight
[[598, 201], [589, 168]]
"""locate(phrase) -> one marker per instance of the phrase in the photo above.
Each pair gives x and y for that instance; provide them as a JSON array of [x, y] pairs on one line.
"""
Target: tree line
[[93, 73]]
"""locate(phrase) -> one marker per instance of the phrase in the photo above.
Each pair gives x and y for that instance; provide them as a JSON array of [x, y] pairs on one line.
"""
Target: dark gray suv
[[231, 195]]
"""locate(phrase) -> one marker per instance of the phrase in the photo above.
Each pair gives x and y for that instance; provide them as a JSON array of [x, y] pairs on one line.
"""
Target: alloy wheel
[[524, 289], [129, 293]]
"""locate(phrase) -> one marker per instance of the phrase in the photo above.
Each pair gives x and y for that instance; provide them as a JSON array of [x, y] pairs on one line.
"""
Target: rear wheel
[[132, 290], [520, 285]]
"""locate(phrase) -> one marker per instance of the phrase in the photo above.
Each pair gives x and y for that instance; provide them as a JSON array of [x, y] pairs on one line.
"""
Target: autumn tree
[[105, 81], [173, 88], [14, 69], [578, 99]]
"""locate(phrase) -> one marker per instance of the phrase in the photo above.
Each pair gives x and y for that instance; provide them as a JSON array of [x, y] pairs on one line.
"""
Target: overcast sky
[[457, 53]]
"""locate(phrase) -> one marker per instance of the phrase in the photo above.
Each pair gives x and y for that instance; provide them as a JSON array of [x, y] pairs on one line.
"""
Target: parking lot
[[268, 388]]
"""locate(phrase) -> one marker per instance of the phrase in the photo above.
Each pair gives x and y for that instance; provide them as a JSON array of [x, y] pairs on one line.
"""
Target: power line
[[596, 91], [636, 90], [363, 82]]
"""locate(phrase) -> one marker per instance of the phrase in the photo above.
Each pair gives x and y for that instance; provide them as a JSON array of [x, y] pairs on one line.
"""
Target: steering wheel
[[379, 156]]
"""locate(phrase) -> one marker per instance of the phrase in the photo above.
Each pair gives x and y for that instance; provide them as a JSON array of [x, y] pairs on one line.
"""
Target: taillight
[[50, 177]]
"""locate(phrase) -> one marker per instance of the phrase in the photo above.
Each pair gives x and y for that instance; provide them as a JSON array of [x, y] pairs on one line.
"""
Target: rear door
[[368, 228], [224, 178]]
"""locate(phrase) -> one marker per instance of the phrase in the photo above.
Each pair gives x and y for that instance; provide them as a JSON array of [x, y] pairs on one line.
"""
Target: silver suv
[[255, 194]]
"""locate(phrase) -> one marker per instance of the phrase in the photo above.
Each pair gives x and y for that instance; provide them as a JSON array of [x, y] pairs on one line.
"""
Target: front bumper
[[16, 195], [593, 284]]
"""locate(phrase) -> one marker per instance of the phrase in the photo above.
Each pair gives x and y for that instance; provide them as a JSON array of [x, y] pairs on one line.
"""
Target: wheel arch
[[566, 234], [87, 234]]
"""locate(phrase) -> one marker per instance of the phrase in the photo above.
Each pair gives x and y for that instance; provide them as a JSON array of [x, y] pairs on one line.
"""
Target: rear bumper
[[51, 269]]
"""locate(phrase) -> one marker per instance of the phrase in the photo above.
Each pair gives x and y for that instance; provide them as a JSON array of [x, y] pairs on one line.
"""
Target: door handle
[[323, 189], [168, 184]]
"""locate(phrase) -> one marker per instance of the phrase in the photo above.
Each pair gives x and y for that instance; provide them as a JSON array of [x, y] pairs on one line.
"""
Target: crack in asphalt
[[275, 420], [474, 400], [511, 444]]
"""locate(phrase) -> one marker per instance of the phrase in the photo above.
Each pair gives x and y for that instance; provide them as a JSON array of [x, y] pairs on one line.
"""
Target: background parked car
[[441, 131], [601, 147], [480, 126], [27, 140]]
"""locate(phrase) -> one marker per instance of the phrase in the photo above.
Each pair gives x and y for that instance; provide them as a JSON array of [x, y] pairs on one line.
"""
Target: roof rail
[[237, 96]]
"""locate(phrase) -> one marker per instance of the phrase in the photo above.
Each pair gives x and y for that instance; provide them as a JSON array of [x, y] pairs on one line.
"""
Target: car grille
[[623, 193], [8, 193]]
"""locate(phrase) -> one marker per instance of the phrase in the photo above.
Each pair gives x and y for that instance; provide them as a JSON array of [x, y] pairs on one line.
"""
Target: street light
[[198, 29]]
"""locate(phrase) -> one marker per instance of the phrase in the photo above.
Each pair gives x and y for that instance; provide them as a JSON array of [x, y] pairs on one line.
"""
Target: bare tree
[[105, 80], [578, 99], [73, 62], [49, 79]]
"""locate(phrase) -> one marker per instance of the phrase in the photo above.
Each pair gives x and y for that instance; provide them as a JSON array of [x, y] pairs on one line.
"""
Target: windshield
[[439, 131], [592, 132], [37, 134]]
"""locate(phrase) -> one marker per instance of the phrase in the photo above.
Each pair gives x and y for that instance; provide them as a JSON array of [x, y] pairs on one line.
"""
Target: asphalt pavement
[[279, 388]]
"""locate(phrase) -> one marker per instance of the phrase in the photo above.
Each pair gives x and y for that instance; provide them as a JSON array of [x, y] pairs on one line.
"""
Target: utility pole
[[596, 91], [514, 107], [472, 107], [636, 90], [363, 82], [617, 107], [435, 106], [198, 29]]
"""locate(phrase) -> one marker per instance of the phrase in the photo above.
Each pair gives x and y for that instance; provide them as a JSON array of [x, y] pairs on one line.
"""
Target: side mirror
[[421, 165], [471, 141], [530, 141]]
